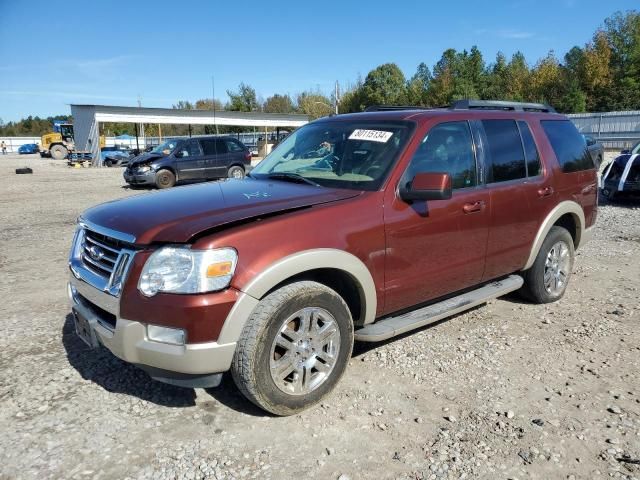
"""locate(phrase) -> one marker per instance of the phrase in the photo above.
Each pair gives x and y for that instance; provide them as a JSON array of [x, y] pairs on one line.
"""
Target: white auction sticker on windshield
[[371, 135]]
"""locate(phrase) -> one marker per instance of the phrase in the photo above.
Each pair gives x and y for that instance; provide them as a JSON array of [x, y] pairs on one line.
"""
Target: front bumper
[[147, 178], [128, 340]]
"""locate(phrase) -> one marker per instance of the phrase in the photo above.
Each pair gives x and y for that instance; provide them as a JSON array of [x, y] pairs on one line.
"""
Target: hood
[[178, 214], [145, 158]]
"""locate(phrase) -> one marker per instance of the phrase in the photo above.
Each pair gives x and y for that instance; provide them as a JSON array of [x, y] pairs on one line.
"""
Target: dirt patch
[[508, 390]]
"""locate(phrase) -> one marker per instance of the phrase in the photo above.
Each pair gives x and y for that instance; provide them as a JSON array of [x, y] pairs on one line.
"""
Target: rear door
[[215, 152], [520, 193], [189, 160]]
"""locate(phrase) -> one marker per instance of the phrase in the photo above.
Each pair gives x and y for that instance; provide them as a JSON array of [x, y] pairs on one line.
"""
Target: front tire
[[546, 281], [294, 348], [58, 152], [165, 179]]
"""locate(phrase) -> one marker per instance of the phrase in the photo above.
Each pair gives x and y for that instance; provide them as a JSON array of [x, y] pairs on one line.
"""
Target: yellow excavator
[[59, 143]]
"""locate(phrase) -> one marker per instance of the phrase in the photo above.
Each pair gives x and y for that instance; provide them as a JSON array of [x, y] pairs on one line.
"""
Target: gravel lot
[[508, 390]]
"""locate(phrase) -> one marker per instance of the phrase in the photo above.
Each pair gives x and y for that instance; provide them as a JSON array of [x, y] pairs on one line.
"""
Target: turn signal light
[[219, 269]]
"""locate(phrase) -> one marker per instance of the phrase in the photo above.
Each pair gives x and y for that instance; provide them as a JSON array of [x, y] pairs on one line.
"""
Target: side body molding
[[561, 209], [290, 266]]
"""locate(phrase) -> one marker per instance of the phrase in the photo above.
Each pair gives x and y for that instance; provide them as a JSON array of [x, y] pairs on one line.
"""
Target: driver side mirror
[[427, 186]]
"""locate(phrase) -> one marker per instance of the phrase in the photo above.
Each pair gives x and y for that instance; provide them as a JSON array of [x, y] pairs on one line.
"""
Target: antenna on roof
[[213, 102]]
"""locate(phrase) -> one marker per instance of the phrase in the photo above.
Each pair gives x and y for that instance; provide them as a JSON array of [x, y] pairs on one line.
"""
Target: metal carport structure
[[87, 118]]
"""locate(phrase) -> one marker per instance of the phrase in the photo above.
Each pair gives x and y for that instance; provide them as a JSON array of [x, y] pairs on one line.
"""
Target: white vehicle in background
[[622, 176]]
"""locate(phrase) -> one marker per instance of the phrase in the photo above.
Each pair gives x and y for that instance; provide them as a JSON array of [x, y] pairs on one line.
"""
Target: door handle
[[545, 192], [473, 207]]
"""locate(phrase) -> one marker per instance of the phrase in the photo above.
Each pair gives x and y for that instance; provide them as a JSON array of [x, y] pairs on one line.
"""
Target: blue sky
[[113, 52]]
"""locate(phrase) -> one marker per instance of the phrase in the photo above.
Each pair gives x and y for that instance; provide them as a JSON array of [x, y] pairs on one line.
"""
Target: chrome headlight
[[144, 168], [183, 270]]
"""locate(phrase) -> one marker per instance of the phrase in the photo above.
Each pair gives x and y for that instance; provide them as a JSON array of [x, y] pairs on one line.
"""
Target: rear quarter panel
[[580, 187]]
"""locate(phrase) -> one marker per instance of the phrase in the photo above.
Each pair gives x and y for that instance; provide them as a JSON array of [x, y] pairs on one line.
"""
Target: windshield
[[165, 148], [354, 155]]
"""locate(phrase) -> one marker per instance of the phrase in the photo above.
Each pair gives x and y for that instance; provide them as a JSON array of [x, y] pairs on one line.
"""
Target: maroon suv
[[359, 226]]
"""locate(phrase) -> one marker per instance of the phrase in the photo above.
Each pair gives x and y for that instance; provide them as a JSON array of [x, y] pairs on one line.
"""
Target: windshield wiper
[[292, 177]]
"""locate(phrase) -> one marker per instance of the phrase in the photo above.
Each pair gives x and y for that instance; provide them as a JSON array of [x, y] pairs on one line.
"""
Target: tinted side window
[[208, 146], [505, 151], [233, 146], [530, 151], [221, 146], [568, 145], [190, 149], [448, 147]]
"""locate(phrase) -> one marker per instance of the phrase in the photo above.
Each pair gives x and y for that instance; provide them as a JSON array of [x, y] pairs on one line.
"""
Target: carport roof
[[112, 113]]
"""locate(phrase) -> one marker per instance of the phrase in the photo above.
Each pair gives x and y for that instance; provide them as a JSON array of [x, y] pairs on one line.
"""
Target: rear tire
[[294, 348], [236, 172], [546, 281], [58, 152], [108, 163], [165, 179]]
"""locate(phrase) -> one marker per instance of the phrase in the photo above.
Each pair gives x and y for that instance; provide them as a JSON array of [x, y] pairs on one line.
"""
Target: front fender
[[291, 266]]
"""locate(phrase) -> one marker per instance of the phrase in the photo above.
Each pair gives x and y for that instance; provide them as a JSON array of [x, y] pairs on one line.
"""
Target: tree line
[[602, 75]]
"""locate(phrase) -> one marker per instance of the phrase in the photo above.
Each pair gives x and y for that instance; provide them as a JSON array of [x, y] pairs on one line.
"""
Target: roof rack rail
[[501, 105], [388, 108]]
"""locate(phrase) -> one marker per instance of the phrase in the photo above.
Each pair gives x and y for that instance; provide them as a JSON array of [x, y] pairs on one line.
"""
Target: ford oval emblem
[[96, 253]]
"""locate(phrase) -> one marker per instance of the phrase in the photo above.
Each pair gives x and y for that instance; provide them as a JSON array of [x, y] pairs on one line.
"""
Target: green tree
[[208, 104], [242, 100], [622, 31], [314, 104], [278, 104], [546, 81], [496, 87], [517, 78], [418, 86], [351, 100], [442, 85], [384, 85], [183, 105]]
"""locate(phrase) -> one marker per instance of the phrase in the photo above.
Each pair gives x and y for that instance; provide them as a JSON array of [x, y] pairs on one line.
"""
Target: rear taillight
[[247, 156]]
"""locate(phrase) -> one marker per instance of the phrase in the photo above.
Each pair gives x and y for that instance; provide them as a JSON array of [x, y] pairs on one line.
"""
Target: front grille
[[100, 253], [107, 319]]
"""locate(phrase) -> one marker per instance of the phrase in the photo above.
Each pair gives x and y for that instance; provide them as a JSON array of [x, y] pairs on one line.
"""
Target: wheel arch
[[169, 167], [567, 214], [337, 269]]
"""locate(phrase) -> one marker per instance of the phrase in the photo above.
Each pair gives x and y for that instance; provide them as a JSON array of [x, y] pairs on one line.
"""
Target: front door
[[189, 160], [436, 247]]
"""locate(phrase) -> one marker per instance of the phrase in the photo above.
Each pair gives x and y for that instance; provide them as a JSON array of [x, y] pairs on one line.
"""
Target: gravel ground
[[509, 390]]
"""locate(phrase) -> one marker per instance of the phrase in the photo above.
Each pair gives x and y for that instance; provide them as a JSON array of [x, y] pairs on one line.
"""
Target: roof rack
[[388, 108], [501, 105]]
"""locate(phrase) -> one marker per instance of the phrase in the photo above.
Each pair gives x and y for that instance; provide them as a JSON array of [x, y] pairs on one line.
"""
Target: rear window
[[212, 146], [569, 146], [505, 151], [234, 146]]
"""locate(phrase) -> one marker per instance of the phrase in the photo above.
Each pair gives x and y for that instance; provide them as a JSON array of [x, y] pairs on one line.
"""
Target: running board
[[390, 327]]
